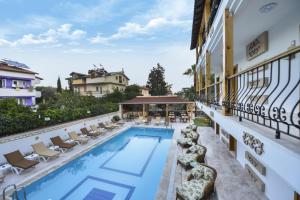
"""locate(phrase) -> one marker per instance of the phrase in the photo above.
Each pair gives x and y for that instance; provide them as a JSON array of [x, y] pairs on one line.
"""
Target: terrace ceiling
[[198, 13]]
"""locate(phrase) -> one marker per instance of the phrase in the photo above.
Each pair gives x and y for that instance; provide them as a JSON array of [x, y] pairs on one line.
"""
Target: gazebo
[[141, 105]]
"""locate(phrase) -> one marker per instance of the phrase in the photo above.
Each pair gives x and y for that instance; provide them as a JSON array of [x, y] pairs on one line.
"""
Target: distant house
[[144, 91], [98, 82], [18, 81]]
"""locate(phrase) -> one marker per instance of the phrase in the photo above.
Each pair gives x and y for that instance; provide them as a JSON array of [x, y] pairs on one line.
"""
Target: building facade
[[145, 91], [18, 82], [248, 83], [98, 82]]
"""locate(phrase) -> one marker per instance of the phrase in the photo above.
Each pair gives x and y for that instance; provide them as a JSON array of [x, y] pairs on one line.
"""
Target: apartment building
[[18, 81], [98, 82], [248, 82]]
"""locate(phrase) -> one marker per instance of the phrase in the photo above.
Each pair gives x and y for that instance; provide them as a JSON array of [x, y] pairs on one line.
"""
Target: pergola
[[145, 101]]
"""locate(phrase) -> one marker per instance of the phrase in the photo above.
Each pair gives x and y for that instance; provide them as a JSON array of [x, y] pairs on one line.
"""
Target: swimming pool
[[128, 166]]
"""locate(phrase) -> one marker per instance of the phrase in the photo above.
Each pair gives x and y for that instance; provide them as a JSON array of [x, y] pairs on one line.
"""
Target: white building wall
[[26, 92], [282, 164], [12, 92], [281, 35]]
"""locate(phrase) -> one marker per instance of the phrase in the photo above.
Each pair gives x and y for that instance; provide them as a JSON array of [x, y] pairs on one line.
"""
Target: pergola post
[[121, 110], [207, 73], [144, 110], [228, 68], [167, 110], [207, 10]]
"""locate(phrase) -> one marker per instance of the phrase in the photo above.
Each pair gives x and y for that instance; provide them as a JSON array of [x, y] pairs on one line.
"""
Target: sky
[[55, 38]]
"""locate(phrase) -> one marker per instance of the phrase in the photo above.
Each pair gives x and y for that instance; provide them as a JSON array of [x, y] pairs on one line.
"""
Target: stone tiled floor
[[232, 182]]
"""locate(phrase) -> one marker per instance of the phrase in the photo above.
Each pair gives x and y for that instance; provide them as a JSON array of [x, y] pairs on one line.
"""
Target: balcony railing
[[267, 94]]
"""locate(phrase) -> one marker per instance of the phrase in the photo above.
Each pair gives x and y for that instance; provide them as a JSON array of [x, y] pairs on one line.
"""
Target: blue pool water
[[129, 166]]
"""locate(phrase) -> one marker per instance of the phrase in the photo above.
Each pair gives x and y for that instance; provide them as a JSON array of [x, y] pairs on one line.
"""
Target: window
[[21, 101], [15, 84], [2, 83], [120, 79], [100, 90], [116, 77], [97, 89]]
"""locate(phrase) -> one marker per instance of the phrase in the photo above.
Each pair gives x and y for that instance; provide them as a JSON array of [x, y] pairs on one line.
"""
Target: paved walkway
[[232, 182]]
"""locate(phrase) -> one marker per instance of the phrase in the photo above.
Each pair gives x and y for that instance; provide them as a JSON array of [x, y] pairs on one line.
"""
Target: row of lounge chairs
[[147, 120], [19, 163], [201, 180]]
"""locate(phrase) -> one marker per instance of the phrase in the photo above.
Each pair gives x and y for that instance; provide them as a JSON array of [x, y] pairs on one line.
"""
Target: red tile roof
[[157, 100]]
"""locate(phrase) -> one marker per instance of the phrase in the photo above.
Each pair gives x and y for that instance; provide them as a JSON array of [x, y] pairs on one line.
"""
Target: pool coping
[[165, 189]]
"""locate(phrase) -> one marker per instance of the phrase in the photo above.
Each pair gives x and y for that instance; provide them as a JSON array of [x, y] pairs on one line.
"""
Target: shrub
[[116, 118], [59, 108]]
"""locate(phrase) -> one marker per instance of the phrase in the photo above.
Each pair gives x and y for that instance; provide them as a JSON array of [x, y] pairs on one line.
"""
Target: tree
[[132, 91], [59, 89], [116, 96], [187, 93], [192, 72], [47, 93], [156, 81]]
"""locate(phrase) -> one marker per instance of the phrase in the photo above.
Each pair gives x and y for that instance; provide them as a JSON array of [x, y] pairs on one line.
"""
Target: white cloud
[[131, 29], [31, 39], [81, 51], [51, 36], [98, 39], [164, 14], [4, 42]]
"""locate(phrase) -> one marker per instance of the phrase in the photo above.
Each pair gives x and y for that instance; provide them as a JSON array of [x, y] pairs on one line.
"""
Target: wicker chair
[[199, 149], [186, 160], [199, 185], [185, 142]]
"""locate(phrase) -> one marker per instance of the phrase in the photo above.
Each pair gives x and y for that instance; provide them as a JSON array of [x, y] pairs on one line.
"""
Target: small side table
[[5, 168], [33, 156], [70, 141], [54, 148]]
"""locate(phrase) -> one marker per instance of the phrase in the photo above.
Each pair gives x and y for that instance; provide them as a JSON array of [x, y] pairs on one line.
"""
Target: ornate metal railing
[[267, 94]]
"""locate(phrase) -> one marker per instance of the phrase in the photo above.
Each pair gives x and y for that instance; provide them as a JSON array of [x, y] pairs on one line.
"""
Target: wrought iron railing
[[267, 94]]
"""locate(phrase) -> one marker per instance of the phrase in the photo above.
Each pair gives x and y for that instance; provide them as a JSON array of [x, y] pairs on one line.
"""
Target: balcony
[[267, 94], [17, 92]]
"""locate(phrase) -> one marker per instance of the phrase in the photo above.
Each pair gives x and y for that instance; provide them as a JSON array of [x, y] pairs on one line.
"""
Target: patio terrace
[[231, 177]]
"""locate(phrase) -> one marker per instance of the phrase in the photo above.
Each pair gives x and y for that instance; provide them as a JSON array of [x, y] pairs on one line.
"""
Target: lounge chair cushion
[[197, 149], [16, 159], [202, 172], [187, 159], [184, 141], [42, 150], [57, 141], [193, 189]]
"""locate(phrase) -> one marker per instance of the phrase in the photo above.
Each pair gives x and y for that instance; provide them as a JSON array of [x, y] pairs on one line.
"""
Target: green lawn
[[201, 121]]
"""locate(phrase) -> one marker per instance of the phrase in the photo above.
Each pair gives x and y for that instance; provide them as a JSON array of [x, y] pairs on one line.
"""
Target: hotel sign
[[258, 46], [258, 182], [255, 163]]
